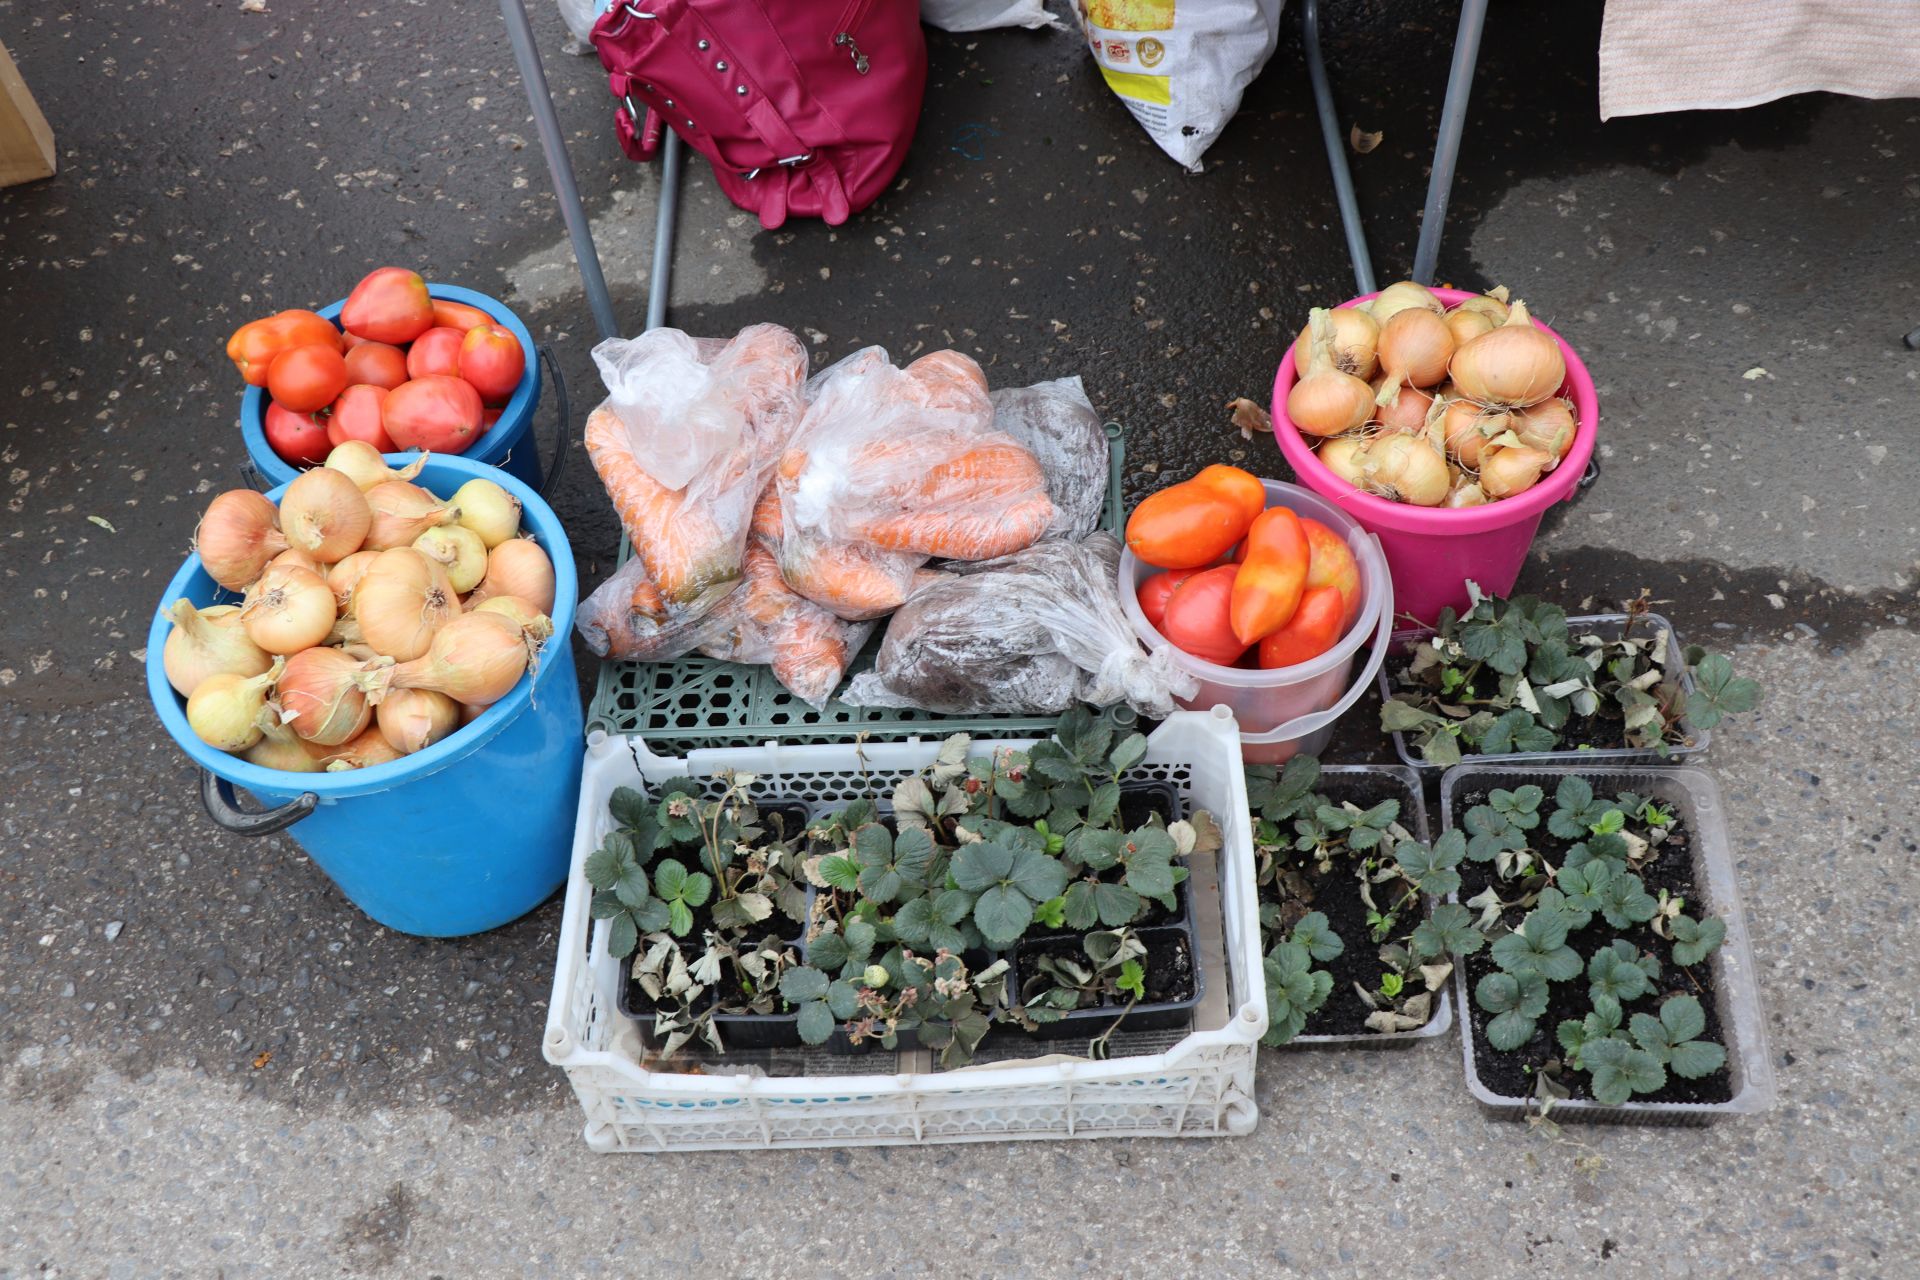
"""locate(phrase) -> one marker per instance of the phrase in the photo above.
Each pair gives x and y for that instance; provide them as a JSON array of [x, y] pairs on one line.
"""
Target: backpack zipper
[[844, 40], [850, 19]]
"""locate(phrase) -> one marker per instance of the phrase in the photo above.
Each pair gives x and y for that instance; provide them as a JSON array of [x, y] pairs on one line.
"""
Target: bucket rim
[[451, 471], [490, 448], [1401, 517]]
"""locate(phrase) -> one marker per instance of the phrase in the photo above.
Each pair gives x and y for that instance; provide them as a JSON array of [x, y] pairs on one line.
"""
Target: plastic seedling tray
[[1413, 816], [1695, 798], [1693, 741], [694, 702]]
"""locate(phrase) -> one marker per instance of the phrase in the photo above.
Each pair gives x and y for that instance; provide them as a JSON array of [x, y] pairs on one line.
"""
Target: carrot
[[612, 628], [807, 647], [688, 555], [962, 535], [768, 522], [852, 579], [995, 469], [647, 600], [950, 380]]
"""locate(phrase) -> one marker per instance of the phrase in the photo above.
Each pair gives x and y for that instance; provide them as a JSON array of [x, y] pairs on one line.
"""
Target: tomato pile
[[403, 370], [1244, 584]]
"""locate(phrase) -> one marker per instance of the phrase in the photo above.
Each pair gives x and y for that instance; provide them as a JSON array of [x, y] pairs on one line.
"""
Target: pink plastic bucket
[[1286, 710], [1432, 551]]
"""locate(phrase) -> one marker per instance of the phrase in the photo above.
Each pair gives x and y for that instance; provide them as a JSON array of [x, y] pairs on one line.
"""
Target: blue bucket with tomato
[[462, 836], [508, 442]]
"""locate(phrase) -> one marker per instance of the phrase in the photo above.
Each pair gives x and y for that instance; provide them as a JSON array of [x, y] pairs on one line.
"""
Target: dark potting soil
[[1605, 730], [1511, 1073], [1337, 896], [1169, 964]]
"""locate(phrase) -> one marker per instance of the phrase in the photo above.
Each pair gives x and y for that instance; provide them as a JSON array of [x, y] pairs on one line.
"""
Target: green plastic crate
[[694, 703]]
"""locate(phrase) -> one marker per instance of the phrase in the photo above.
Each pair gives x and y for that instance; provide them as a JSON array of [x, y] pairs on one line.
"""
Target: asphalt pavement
[[211, 1064]]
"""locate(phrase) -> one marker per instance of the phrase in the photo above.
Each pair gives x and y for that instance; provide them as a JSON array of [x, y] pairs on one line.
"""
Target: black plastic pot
[[1084, 1024]]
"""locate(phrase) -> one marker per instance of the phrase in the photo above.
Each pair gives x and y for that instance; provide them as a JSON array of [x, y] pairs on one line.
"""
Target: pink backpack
[[804, 106]]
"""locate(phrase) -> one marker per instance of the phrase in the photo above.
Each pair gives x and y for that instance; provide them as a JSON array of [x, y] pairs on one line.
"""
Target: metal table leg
[[1446, 149], [560, 168], [1336, 147], [660, 278]]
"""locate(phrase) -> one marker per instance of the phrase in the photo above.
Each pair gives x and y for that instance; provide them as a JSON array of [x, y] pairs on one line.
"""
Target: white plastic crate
[[1200, 1085]]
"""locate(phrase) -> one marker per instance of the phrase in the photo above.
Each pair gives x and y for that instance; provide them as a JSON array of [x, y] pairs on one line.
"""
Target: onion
[[1548, 426], [524, 615], [369, 749], [1325, 401], [1414, 349], [1343, 455], [324, 692], [1403, 296], [411, 719], [1409, 409], [1354, 335], [1492, 304], [1464, 429], [342, 577], [224, 710], [1465, 326], [401, 513], [1515, 469], [288, 610], [280, 747], [1466, 492], [208, 642], [1405, 469], [324, 514], [517, 567], [459, 551], [238, 535], [299, 559], [400, 601], [488, 510], [470, 713], [1512, 366], [364, 465], [476, 658]]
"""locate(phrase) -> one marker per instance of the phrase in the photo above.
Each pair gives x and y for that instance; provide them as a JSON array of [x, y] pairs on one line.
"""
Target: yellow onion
[[1465, 325], [280, 747], [1354, 335], [224, 711], [288, 610], [324, 694], [363, 464], [411, 719], [1464, 428], [341, 577], [1407, 412], [1515, 469], [1414, 349], [517, 567], [1492, 304], [1465, 491], [1401, 296], [1512, 366], [468, 714], [1548, 426], [488, 510], [238, 535], [400, 601], [459, 551], [525, 616], [208, 642], [1405, 469], [1326, 401], [476, 658], [365, 751], [324, 514], [401, 513], [1343, 455], [300, 559]]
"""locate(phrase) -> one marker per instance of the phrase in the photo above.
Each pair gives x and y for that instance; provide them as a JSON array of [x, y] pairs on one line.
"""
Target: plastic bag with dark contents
[[1056, 423], [1029, 633], [688, 434]]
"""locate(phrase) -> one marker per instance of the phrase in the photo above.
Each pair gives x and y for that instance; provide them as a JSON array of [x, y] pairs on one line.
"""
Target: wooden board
[[26, 143]]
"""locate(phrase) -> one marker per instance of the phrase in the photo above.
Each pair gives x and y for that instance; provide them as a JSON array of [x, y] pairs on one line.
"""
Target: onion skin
[[325, 690], [208, 642], [280, 747], [288, 610], [1415, 347], [1406, 469], [1492, 304], [343, 576], [401, 513], [1513, 470], [517, 567], [224, 711], [413, 719], [1548, 426], [488, 510], [476, 658], [363, 464], [324, 514], [1355, 335], [1513, 366], [401, 601], [238, 534]]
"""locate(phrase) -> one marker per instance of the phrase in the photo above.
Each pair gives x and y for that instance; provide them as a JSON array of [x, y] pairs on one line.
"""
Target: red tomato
[[436, 412], [299, 438], [1154, 591], [375, 364], [1271, 577], [1316, 625], [1199, 616], [1332, 564], [254, 345], [356, 416], [458, 315], [390, 304], [488, 417], [308, 378], [435, 351], [348, 341], [491, 359]]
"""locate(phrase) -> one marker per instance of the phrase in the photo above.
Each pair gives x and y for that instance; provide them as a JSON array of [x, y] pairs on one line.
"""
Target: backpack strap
[[797, 163], [636, 125]]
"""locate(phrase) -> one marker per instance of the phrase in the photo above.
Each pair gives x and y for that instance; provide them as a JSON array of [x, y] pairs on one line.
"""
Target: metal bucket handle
[[223, 806]]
